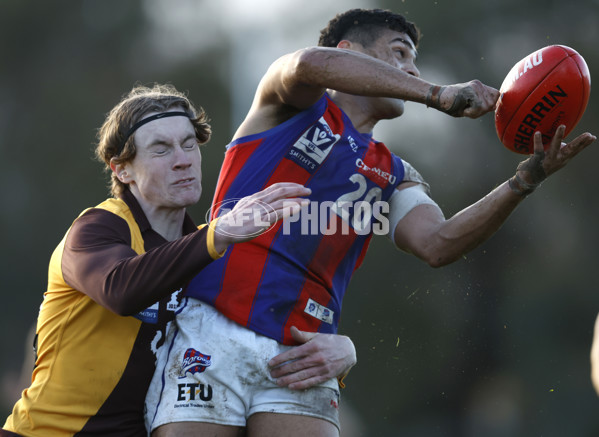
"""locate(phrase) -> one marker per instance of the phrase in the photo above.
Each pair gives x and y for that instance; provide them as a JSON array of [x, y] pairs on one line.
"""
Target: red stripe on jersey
[[248, 260], [377, 165], [242, 262], [330, 253], [246, 257], [288, 171], [334, 118], [234, 161]]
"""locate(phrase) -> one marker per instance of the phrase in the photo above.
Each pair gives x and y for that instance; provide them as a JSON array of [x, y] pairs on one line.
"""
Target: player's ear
[[119, 169], [344, 44]]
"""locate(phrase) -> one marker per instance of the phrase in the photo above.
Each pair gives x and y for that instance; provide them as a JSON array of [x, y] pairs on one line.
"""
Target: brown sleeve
[[98, 260]]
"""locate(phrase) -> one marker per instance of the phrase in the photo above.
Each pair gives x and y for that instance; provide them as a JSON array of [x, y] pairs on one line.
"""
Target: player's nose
[[411, 68]]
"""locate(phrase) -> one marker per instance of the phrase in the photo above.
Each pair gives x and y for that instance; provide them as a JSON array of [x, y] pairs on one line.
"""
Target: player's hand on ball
[[471, 99], [546, 162], [559, 153], [254, 214], [320, 357]]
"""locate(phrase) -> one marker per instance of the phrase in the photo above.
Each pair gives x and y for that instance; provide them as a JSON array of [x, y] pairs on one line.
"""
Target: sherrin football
[[547, 88]]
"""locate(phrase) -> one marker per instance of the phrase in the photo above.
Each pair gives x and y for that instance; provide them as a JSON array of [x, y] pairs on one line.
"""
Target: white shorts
[[211, 369]]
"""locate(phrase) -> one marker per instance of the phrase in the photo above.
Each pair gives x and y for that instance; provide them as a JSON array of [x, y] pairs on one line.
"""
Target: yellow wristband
[[210, 241]]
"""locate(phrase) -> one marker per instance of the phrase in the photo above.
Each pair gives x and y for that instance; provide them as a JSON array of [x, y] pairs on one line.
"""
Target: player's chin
[[188, 197], [400, 104], [394, 108]]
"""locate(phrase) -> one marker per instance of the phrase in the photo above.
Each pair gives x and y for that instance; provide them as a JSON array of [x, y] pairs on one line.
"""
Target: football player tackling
[[311, 122]]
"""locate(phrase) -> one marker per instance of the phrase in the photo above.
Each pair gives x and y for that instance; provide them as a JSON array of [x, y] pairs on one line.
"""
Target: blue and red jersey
[[296, 274]]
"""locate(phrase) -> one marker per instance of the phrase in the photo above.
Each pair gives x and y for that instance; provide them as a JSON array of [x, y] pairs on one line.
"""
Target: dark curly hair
[[362, 26], [142, 100]]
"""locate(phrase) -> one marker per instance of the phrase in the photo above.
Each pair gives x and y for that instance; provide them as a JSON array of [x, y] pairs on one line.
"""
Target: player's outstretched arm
[[558, 154], [254, 214], [320, 357], [299, 80], [425, 232], [471, 99]]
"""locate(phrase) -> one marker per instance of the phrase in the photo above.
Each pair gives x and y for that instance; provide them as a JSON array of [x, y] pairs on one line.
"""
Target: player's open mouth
[[184, 182]]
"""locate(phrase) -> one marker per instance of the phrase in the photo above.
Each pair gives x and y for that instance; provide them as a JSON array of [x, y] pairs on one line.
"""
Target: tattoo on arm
[[462, 101], [433, 98]]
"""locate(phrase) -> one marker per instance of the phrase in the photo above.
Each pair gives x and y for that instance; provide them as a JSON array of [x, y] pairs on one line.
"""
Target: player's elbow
[[435, 261], [437, 255], [123, 307], [303, 65]]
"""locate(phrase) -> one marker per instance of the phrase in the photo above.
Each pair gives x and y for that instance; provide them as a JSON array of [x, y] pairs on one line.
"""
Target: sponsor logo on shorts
[[334, 403], [319, 311], [194, 362], [194, 392]]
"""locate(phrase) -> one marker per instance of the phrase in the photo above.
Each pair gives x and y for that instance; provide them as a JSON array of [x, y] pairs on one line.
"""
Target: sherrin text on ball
[[547, 88]]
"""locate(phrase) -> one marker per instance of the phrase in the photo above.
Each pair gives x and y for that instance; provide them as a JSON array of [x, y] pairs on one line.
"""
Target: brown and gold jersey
[[112, 289]]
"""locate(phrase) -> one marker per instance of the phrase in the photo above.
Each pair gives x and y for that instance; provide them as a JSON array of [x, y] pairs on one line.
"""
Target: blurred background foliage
[[496, 344]]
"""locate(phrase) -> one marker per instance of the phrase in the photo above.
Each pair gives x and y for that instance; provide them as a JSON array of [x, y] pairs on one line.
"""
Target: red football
[[547, 88]]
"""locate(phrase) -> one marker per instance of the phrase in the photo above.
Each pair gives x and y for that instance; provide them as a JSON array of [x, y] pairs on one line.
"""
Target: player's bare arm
[[296, 81], [425, 232], [284, 91], [352, 72]]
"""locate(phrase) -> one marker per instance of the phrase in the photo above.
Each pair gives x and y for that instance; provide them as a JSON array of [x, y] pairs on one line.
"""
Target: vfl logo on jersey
[[149, 315], [319, 311], [194, 362], [311, 149]]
